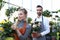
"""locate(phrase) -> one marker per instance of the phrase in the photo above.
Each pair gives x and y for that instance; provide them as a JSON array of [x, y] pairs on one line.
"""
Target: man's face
[[39, 10]]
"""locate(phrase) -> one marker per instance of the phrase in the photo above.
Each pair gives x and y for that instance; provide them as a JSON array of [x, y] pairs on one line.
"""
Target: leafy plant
[[10, 11], [1, 4], [51, 23], [46, 13], [15, 18], [59, 10], [29, 20], [7, 29], [35, 26], [54, 11]]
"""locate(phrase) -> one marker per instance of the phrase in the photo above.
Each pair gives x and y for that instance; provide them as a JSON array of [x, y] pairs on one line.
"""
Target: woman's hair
[[24, 10]]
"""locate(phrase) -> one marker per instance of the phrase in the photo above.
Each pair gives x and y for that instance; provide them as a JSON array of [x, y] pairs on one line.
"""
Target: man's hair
[[39, 6]]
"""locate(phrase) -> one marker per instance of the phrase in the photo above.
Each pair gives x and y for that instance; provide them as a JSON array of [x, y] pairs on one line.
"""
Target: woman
[[21, 27]]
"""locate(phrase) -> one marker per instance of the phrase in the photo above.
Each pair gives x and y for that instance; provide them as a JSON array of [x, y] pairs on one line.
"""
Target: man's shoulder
[[45, 18]]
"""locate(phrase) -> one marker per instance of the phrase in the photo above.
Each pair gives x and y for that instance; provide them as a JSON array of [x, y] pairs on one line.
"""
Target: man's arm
[[46, 26]]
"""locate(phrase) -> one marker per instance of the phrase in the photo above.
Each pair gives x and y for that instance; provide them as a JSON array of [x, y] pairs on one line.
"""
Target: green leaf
[[10, 11], [7, 12], [0, 0], [1, 4], [46, 13], [29, 20]]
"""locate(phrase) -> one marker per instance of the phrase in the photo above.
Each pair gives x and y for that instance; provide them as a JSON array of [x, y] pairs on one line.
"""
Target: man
[[44, 28]]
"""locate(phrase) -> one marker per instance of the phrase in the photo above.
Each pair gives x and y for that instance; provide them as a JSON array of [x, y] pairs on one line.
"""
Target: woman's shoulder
[[28, 26]]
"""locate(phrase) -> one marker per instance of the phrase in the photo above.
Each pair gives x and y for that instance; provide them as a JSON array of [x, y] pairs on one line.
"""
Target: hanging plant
[[59, 10], [59, 19], [54, 11], [1, 4], [15, 18], [56, 16], [7, 12], [50, 15], [46, 13], [11, 10]]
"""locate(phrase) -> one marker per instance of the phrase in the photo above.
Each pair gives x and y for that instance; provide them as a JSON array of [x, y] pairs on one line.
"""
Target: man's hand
[[35, 35]]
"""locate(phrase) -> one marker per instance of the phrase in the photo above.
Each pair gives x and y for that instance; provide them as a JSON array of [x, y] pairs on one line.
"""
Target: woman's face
[[21, 15]]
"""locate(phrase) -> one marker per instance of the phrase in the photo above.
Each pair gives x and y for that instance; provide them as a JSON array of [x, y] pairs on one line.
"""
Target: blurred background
[[51, 10]]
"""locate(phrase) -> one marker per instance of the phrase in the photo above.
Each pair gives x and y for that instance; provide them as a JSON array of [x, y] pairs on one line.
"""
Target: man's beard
[[39, 14]]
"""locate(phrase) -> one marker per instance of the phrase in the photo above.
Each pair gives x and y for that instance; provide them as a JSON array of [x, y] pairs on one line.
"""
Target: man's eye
[[40, 10]]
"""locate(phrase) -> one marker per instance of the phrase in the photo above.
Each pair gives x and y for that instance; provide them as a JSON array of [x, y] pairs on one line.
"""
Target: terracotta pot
[[53, 38], [34, 34]]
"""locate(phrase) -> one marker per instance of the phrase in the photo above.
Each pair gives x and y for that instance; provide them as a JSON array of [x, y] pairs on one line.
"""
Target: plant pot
[[53, 38], [34, 34]]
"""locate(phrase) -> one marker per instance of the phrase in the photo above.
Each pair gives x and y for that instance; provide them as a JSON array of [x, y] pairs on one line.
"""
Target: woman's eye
[[20, 14]]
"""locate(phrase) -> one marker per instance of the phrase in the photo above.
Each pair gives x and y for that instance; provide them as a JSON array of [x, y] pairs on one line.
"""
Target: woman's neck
[[22, 20]]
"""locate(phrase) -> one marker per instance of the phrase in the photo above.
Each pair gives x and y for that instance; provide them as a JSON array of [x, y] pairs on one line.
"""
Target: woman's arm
[[28, 30]]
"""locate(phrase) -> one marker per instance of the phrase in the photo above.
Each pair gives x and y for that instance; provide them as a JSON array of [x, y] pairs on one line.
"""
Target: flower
[[7, 20], [36, 26], [1, 29], [3, 21], [32, 21], [39, 24]]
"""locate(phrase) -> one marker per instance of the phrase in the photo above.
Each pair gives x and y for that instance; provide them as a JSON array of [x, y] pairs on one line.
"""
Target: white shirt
[[46, 25]]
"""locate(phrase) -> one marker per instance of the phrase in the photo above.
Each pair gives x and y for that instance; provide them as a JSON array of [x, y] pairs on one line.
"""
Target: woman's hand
[[14, 27], [18, 32]]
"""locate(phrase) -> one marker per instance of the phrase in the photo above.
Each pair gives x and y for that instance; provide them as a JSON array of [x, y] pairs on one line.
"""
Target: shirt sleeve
[[28, 30], [46, 26]]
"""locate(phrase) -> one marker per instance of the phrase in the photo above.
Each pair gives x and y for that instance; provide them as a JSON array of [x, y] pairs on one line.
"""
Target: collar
[[39, 17]]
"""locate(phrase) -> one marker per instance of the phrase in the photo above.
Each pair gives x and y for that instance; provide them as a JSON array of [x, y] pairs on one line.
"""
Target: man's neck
[[39, 16]]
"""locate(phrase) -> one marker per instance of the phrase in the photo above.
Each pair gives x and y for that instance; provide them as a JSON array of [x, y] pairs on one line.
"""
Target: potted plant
[[5, 27], [53, 30]]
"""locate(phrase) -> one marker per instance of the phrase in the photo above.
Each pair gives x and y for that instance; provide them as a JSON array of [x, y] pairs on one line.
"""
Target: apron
[[40, 30], [22, 31]]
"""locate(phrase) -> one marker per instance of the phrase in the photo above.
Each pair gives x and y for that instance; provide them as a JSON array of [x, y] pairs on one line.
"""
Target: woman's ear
[[26, 15]]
